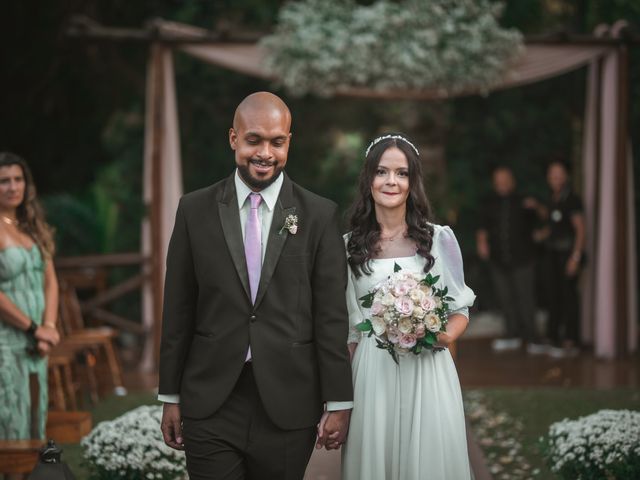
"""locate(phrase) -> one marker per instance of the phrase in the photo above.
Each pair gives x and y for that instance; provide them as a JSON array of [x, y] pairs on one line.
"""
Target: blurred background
[[75, 110]]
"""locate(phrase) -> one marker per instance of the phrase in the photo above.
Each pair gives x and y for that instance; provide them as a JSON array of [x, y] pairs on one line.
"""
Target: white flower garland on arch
[[320, 46]]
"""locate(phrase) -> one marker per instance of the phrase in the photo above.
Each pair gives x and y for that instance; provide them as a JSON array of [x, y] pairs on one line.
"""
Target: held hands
[[333, 429], [171, 426], [50, 335], [43, 348], [46, 337]]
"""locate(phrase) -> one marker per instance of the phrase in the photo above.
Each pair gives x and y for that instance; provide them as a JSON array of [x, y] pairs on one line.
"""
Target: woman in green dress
[[28, 303]]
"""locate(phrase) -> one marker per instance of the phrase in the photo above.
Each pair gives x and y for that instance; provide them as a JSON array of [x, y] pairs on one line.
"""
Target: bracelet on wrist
[[31, 331]]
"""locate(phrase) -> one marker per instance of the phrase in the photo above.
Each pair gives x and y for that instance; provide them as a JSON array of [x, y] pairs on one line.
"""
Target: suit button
[[252, 318]]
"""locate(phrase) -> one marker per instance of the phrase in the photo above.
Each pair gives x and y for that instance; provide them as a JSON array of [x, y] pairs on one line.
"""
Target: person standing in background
[[563, 236], [28, 303], [505, 239]]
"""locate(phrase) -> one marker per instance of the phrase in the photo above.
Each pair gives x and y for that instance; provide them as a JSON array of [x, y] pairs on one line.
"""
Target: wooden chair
[[97, 341], [62, 389], [18, 456]]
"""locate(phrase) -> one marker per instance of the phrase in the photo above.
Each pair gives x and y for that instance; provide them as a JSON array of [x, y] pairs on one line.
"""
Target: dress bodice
[[448, 265]]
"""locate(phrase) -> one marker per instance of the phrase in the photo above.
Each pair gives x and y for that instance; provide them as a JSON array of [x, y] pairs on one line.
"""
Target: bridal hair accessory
[[290, 224], [394, 137]]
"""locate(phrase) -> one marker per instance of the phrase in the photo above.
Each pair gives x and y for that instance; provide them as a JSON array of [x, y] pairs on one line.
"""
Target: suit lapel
[[284, 206], [230, 222]]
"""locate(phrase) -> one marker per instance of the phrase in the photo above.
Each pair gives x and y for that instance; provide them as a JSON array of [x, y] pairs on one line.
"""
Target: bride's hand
[[444, 340], [456, 326], [352, 350]]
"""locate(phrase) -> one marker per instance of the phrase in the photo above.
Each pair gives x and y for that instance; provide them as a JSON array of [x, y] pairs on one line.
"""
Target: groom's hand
[[333, 429], [171, 426]]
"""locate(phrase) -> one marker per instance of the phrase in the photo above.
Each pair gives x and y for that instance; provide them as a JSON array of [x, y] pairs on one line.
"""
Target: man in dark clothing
[[564, 252], [505, 238]]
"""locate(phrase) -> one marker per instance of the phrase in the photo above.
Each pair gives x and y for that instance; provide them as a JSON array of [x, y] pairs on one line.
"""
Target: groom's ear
[[233, 139]]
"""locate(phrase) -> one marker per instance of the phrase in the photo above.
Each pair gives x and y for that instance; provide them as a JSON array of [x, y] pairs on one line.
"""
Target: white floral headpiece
[[386, 137]]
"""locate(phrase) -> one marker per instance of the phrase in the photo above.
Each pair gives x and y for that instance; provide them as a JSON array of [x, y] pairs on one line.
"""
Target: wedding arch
[[610, 309]]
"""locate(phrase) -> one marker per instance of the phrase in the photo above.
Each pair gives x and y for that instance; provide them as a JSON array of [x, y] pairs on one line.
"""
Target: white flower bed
[[605, 445], [131, 447], [322, 46]]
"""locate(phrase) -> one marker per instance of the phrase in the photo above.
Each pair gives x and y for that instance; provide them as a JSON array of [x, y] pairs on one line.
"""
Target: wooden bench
[[68, 427], [19, 456]]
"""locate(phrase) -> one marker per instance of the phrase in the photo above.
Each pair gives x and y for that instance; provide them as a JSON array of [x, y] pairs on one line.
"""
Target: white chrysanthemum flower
[[605, 442], [132, 445]]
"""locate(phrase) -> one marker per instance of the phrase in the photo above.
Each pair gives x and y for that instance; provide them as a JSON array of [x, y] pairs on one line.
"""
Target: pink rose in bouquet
[[408, 311]]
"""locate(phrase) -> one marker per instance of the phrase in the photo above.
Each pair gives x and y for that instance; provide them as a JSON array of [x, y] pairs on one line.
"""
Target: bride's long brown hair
[[29, 213], [364, 242]]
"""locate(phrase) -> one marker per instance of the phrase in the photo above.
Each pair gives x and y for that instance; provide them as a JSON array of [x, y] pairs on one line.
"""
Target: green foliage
[[74, 92], [105, 216], [367, 300], [451, 45], [365, 326], [430, 280]]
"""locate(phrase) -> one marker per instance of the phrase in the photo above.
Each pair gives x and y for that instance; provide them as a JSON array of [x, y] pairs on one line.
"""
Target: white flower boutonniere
[[290, 224]]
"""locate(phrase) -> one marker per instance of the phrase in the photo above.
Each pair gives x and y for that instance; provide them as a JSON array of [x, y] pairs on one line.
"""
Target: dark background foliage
[[75, 109]]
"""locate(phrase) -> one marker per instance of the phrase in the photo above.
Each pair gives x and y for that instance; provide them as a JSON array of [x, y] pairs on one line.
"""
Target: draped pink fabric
[[539, 62], [161, 107]]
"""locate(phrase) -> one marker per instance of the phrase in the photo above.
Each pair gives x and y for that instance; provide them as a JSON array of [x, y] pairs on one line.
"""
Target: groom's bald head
[[263, 106]]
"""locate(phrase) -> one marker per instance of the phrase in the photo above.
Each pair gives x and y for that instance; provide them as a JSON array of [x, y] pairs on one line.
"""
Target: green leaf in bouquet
[[444, 291], [396, 267], [449, 299], [393, 353], [380, 344], [430, 280], [417, 349], [367, 300], [365, 326], [430, 339]]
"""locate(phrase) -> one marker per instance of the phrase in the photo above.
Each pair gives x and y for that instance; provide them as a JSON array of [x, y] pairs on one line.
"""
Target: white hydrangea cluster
[[605, 444], [131, 446], [322, 46]]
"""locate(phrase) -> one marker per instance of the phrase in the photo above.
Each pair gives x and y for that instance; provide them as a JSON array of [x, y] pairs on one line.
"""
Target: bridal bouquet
[[407, 312]]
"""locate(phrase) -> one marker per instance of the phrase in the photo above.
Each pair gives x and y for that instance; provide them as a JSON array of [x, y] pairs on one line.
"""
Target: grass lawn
[[108, 409], [510, 421]]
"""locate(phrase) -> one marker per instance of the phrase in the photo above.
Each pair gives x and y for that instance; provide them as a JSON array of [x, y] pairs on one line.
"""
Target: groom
[[255, 323]]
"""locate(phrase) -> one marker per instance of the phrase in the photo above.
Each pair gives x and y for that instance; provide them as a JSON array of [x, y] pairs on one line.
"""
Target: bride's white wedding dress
[[408, 420]]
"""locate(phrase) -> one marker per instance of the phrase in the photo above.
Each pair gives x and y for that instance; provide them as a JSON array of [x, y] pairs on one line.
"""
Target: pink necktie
[[253, 245]]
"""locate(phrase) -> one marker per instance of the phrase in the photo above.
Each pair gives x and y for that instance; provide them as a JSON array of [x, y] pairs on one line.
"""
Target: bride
[[408, 420]]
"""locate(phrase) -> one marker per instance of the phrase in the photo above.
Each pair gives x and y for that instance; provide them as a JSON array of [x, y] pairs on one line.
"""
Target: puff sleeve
[[447, 252]]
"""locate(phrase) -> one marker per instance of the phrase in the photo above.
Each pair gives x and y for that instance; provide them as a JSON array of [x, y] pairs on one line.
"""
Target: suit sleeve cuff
[[333, 406], [169, 398]]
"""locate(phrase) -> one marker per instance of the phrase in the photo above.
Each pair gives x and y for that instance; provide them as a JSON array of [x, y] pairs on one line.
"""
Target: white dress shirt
[[265, 214]]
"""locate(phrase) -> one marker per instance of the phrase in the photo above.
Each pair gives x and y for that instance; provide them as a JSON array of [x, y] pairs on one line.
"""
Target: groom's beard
[[255, 183]]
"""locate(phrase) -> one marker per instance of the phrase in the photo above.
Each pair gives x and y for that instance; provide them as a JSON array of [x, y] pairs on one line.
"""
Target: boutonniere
[[290, 224]]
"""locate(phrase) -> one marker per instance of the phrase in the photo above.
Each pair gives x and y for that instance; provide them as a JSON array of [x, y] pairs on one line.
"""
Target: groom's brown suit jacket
[[297, 328]]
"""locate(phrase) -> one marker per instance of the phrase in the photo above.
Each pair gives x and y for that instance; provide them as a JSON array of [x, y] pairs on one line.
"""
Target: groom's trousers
[[240, 442]]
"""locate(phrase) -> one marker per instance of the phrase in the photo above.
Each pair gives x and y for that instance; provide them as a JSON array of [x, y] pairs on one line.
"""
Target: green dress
[[22, 281]]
